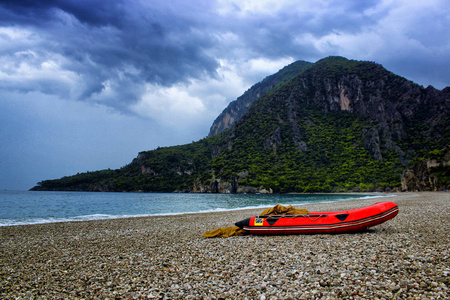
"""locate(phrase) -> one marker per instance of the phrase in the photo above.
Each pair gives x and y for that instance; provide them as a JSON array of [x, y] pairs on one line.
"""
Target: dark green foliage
[[81, 181], [335, 160]]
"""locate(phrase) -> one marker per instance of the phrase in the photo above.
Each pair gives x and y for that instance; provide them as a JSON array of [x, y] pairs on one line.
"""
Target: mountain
[[236, 109], [335, 125]]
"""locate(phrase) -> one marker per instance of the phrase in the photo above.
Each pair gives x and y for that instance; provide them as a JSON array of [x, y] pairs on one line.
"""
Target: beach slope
[[168, 258]]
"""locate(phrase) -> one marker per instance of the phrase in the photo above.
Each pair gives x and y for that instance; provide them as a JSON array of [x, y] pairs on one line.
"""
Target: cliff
[[431, 174]]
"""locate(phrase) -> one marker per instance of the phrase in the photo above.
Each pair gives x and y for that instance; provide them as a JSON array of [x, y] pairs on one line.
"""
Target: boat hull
[[347, 221]]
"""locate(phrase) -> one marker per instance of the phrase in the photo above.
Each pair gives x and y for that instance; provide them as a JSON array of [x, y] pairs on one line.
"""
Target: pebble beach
[[166, 257]]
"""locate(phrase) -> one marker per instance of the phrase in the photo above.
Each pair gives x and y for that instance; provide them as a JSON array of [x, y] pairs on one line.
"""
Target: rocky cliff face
[[239, 107], [227, 187], [428, 175]]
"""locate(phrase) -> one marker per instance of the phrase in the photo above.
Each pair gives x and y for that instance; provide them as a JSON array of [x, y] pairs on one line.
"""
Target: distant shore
[[166, 257]]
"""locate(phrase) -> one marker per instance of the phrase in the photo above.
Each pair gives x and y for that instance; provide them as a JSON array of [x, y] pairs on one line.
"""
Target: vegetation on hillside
[[335, 158]]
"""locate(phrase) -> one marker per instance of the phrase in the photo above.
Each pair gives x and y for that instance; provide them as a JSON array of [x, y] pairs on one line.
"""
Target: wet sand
[[168, 258]]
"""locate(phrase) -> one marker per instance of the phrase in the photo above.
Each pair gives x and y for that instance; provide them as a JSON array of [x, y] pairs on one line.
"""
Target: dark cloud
[[168, 42], [92, 12], [103, 40]]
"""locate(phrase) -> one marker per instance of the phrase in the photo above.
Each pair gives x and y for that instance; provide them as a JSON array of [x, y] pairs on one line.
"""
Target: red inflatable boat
[[346, 221]]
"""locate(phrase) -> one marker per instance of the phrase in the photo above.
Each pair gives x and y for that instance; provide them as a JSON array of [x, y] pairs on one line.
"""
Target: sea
[[36, 207]]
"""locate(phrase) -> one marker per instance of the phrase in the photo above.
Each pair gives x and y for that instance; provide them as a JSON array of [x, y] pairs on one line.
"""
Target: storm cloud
[[86, 85]]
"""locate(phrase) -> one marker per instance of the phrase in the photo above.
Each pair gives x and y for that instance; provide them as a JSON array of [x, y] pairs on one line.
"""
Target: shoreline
[[166, 257], [98, 217]]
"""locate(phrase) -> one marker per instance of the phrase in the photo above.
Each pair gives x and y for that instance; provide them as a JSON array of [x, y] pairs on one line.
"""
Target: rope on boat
[[316, 218], [291, 216]]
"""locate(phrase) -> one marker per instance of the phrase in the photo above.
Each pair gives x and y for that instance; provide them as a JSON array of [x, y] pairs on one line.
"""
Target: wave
[[92, 217]]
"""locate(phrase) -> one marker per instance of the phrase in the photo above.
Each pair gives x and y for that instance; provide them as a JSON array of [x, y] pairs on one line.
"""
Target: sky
[[86, 85]]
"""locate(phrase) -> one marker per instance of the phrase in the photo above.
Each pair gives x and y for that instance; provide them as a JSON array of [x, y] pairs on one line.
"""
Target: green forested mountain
[[335, 125]]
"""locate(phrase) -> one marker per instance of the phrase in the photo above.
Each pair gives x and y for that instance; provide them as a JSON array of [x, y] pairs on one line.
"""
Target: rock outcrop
[[427, 175]]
